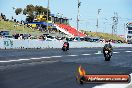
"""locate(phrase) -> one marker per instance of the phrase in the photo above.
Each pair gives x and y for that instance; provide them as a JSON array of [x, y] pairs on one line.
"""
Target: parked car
[[9, 36], [25, 36], [91, 39], [3, 33], [50, 38], [78, 39]]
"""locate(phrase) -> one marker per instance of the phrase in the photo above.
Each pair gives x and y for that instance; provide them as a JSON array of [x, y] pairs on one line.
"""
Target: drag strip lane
[[44, 58], [58, 69]]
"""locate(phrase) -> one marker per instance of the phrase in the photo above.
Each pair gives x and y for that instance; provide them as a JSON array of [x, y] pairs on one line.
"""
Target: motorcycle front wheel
[[107, 58]]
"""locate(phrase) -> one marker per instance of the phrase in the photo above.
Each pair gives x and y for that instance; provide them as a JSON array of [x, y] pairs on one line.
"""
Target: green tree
[[30, 18], [18, 11], [39, 10], [32, 11], [24, 11]]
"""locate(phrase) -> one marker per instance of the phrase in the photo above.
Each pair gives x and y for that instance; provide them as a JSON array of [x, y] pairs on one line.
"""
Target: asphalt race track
[[53, 68]]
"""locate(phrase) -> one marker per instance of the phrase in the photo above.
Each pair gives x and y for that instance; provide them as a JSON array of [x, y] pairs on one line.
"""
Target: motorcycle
[[64, 48], [107, 55]]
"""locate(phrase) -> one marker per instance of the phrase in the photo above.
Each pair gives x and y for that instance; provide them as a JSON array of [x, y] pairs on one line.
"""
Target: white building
[[129, 32]]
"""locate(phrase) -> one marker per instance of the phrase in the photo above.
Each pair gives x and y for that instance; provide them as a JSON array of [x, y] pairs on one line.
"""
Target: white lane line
[[115, 85], [128, 51], [56, 56], [85, 54], [72, 55], [27, 59], [4, 61], [23, 59], [14, 60], [116, 52], [45, 57], [35, 58]]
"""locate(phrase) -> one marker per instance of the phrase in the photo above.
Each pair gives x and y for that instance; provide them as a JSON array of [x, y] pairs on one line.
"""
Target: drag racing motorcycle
[[107, 54]]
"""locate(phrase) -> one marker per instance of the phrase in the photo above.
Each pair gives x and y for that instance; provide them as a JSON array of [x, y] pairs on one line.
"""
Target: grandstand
[[60, 23], [71, 31]]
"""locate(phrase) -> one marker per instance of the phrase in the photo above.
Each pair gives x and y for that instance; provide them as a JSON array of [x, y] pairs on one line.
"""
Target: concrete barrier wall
[[18, 44]]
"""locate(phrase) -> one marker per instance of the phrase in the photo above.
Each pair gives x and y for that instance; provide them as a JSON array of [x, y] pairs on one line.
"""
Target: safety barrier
[[35, 43]]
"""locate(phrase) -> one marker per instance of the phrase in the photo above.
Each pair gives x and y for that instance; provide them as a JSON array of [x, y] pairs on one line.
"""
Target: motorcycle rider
[[67, 45], [66, 42], [108, 47]]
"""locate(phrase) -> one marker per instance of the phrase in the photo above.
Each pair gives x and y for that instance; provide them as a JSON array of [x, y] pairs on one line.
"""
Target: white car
[[51, 38]]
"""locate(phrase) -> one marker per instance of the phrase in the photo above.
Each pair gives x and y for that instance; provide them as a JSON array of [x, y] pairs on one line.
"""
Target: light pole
[[98, 19], [79, 4], [125, 31], [14, 8], [47, 16]]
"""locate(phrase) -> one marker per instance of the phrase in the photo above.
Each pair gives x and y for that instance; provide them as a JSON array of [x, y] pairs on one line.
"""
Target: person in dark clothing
[[67, 45], [108, 47]]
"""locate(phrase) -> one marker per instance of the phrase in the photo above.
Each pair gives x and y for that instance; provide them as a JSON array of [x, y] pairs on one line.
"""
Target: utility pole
[[115, 23], [125, 31], [98, 19], [79, 4], [48, 16]]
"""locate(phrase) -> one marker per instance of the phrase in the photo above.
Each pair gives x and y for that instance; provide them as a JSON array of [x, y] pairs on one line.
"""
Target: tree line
[[31, 11]]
